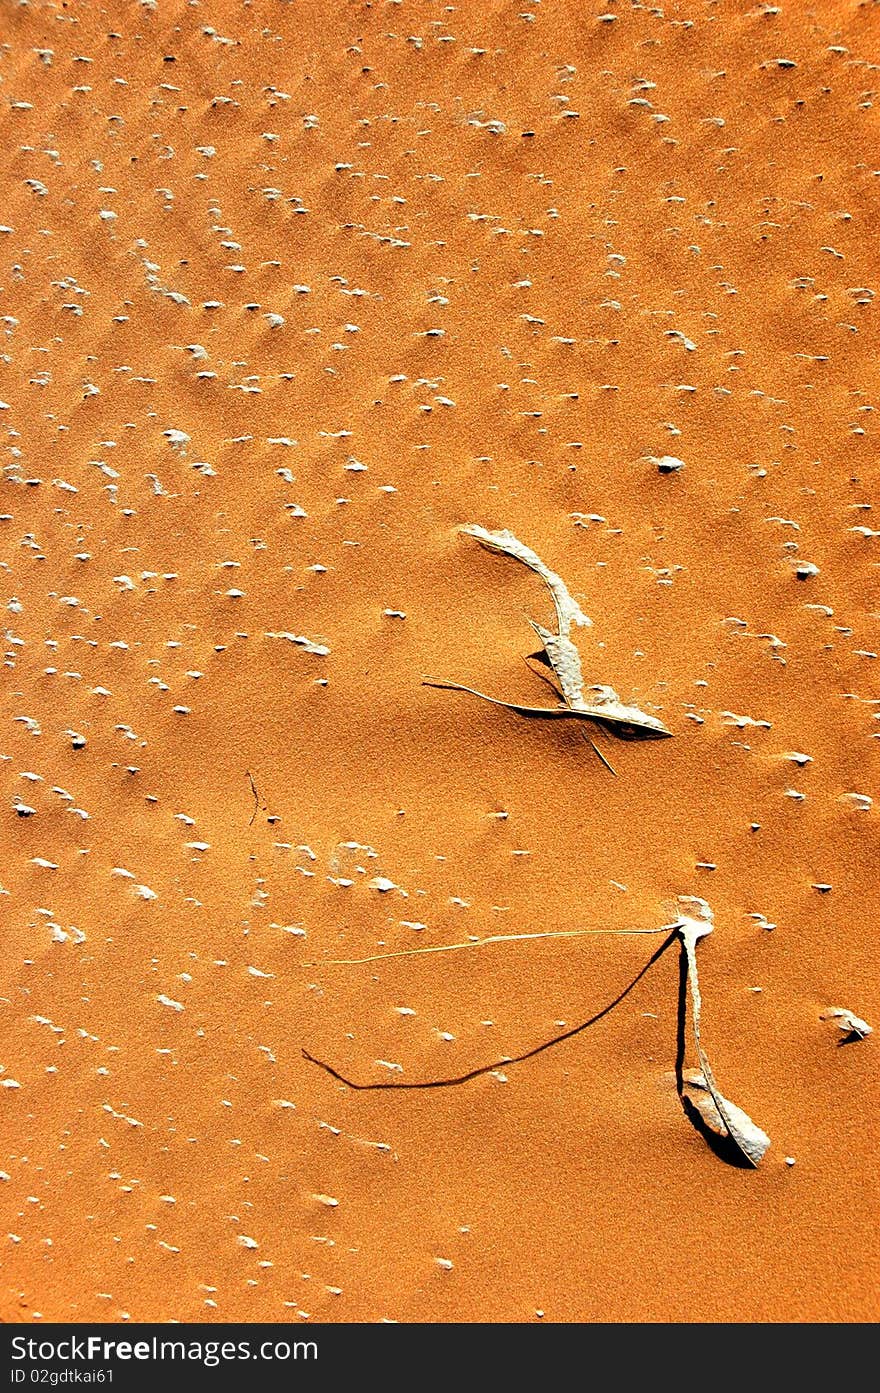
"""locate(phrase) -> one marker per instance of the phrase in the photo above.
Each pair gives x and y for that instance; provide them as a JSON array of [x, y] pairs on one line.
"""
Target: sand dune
[[290, 293]]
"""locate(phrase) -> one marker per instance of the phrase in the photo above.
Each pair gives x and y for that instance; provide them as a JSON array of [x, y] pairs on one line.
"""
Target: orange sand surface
[[290, 292]]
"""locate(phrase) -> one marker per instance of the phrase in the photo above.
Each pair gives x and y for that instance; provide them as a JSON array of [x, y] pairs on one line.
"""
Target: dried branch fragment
[[708, 1099], [560, 654], [508, 1059], [256, 797]]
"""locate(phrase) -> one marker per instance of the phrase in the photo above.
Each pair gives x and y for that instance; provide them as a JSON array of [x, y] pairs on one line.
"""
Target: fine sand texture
[[291, 293]]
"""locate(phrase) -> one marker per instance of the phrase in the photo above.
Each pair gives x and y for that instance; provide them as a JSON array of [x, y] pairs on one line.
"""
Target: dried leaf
[[714, 1108], [568, 611], [850, 1026], [704, 1099], [319, 649], [606, 706], [565, 661]]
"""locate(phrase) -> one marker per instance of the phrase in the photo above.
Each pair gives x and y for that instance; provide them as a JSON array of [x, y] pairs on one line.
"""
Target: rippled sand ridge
[[291, 294]]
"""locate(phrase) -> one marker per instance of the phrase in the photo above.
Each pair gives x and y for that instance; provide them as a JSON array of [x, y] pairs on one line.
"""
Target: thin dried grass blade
[[629, 716], [545, 712], [483, 942], [565, 661], [608, 765]]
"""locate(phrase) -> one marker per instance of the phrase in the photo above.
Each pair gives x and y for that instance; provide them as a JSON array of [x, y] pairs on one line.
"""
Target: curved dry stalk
[[717, 1112], [607, 762]]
